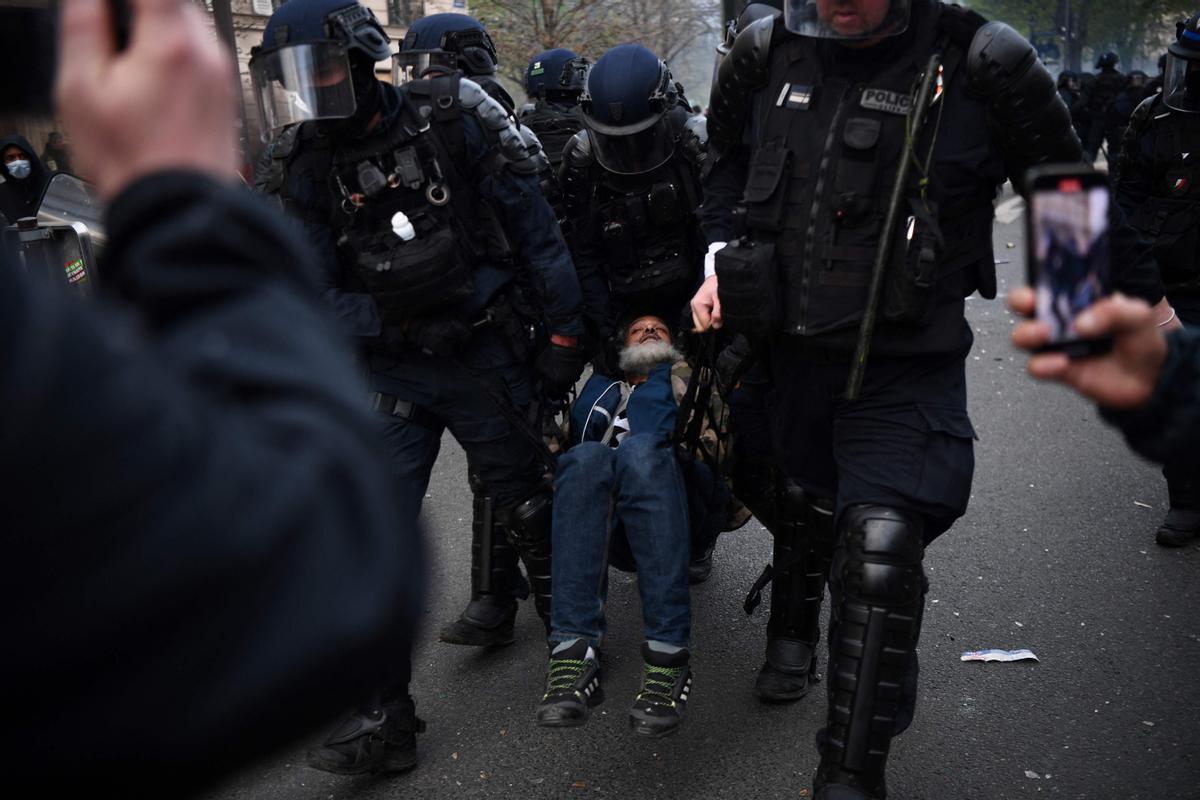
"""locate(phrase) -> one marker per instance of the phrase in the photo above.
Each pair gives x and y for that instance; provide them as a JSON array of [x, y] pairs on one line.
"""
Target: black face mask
[[368, 99]]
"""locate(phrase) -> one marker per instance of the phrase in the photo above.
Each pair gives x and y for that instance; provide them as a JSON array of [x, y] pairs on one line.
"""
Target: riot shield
[[61, 244]]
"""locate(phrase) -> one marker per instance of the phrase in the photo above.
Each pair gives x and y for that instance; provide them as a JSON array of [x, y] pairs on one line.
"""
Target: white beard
[[637, 360]]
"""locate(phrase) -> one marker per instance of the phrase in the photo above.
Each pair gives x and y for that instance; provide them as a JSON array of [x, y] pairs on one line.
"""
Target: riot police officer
[[1070, 91], [411, 196], [553, 82], [1106, 125], [458, 44], [1156, 186], [801, 526], [807, 117], [452, 42], [631, 189]]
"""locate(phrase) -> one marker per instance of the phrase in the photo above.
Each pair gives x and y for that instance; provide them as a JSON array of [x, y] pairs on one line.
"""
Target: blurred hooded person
[[25, 178]]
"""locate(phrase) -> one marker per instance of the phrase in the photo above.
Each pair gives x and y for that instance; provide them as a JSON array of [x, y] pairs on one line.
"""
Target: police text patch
[[885, 101], [795, 97]]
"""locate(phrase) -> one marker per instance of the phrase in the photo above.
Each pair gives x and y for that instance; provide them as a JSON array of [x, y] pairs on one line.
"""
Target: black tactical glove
[[559, 367]]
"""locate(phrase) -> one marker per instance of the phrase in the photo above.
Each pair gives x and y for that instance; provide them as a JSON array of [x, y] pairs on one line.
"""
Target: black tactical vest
[[646, 229], [554, 127], [1170, 217], [821, 174]]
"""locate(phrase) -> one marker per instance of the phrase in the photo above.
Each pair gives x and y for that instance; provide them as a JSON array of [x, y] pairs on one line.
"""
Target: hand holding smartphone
[[1068, 252]]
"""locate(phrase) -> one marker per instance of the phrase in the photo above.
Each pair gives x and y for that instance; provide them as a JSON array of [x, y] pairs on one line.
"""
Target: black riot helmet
[[629, 94], [751, 13], [453, 42], [1108, 60], [557, 75], [317, 61], [1181, 83]]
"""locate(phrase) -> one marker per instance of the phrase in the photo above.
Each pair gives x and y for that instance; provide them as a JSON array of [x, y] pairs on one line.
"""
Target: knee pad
[[529, 521], [793, 502], [883, 552]]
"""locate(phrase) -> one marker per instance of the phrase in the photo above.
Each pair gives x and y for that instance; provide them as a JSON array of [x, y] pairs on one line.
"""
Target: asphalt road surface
[[1056, 554]]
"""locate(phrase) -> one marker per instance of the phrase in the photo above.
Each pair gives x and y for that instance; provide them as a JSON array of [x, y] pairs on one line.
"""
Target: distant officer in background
[[422, 202], [1105, 123], [1070, 91], [553, 82], [1158, 185]]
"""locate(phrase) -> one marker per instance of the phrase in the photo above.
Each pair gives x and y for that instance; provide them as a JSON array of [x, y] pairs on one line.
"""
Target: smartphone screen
[[1069, 253]]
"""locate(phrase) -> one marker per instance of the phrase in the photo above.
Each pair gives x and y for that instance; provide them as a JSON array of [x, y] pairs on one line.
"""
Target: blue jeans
[[639, 486]]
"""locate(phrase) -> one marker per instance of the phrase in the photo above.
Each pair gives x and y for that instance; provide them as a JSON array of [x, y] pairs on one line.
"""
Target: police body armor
[[553, 126], [1170, 217], [410, 174], [644, 226], [817, 193]]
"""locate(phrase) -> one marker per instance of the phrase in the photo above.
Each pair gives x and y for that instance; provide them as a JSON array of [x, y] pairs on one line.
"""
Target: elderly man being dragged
[[622, 497]]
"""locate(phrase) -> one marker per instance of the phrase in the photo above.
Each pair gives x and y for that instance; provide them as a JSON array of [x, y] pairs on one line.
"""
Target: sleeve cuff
[[710, 258]]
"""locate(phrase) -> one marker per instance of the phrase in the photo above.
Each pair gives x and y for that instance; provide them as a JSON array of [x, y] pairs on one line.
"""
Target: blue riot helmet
[[625, 108], [846, 19], [452, 42], [1181, 82], [317, 61], [558, 76]]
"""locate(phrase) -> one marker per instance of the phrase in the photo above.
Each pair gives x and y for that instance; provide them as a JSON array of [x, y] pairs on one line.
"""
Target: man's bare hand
[[1122, 378], [166, 102], [706, 306]]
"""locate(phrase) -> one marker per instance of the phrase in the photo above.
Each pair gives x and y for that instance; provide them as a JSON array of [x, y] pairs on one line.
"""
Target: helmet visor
[[846, 19], [635, 152], [1181, 84], [302, 82], [410, 65]]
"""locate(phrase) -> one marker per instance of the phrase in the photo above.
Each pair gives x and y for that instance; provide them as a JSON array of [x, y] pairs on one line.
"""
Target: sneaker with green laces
[[572, 685], [658, 708]]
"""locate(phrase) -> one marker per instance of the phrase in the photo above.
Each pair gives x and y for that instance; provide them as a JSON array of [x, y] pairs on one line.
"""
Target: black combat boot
[[803, 544], [496, 585], [1182, 524], [878, 589], [700, 567], [379, 737]]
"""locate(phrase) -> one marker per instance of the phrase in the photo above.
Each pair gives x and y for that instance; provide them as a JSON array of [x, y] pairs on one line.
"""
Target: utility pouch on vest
[[663, 206], [514, 329], [765, 197], [748, 288], [411, 278], [854, 188], [911, 288], [655, 271]]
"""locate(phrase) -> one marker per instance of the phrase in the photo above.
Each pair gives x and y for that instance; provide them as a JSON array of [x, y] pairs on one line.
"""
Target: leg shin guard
[[878, 590]]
